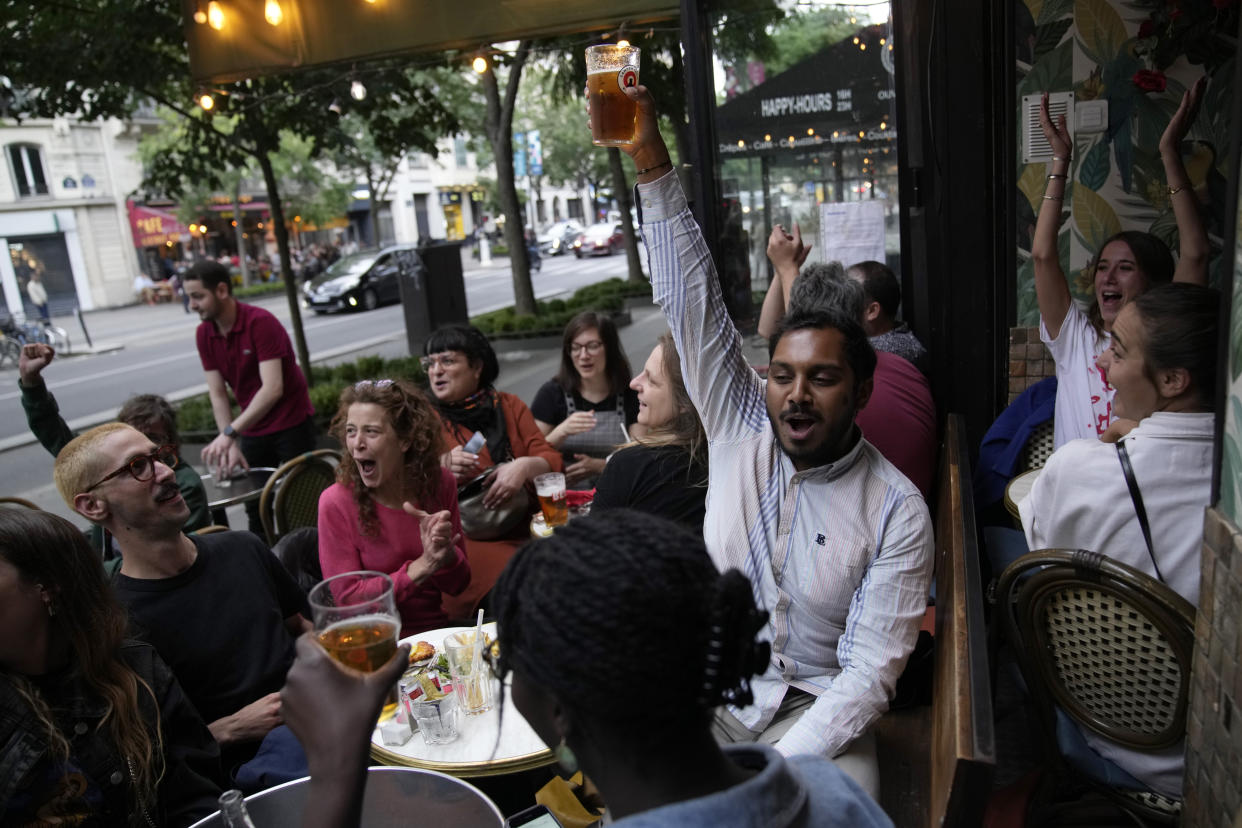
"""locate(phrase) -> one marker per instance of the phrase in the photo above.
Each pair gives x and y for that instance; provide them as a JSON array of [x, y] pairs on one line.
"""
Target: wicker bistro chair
[[18, 501], [1111, 647], [291, 497]]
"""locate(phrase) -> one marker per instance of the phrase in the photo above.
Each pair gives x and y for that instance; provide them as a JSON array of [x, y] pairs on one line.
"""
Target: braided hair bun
[[622, 607]]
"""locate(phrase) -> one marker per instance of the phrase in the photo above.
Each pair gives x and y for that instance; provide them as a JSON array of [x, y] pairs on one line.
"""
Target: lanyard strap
[[1137, 497]]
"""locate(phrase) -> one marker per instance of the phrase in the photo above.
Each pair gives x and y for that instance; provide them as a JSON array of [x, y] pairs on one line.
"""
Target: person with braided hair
[[394, 508], [621, 637], [835, 540]]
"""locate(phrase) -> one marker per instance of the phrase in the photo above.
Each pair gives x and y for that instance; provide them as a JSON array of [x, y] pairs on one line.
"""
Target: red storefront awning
[[153, 227]]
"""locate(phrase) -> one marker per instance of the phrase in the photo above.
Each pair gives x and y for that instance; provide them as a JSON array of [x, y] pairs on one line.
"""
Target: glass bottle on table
[[233, 810]]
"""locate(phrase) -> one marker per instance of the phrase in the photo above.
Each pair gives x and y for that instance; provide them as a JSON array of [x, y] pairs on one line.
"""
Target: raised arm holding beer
[[846, 579]]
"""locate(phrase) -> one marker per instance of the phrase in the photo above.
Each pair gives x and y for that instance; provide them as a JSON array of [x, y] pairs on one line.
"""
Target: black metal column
[[696, 43]]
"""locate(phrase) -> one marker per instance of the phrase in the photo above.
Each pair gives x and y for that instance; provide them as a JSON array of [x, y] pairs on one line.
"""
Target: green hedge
[[194, 413], [554, 314], [263, 289]]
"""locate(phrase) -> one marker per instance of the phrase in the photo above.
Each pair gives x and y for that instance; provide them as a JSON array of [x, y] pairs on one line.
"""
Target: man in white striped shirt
[[836, 541]]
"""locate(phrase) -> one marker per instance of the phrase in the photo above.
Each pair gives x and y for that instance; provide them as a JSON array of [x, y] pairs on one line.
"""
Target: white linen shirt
[[840, 555], [1081, 501]]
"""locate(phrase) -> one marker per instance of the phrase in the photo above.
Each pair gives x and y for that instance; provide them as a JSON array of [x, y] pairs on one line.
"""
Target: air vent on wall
[[1035, 147]]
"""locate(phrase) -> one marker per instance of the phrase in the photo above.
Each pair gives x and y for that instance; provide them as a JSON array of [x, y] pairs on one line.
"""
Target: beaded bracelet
[[668, 163]]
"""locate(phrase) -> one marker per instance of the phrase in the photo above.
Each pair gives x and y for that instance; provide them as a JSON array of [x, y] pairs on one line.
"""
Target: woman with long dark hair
[[495, 469], [663, 472], [1126, 265], [393, 508], [95, 728], [588, 408]]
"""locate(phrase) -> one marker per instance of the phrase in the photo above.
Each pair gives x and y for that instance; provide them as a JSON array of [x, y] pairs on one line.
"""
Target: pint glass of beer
[[551, 490], [356, 619], [611, 68]]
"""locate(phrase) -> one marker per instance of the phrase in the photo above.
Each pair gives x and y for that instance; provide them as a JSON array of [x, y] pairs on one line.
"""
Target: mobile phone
[[474, 443], [536, 816]]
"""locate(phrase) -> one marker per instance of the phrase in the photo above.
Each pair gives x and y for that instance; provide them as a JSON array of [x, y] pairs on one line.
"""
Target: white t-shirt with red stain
[[1084, 406]]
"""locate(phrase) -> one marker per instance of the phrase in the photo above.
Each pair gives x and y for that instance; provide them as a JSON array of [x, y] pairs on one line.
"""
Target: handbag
[[1137, 497], [482, 523]]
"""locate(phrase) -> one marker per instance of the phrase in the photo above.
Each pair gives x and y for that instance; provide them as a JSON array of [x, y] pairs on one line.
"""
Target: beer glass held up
[[356, 619], [611, 68]]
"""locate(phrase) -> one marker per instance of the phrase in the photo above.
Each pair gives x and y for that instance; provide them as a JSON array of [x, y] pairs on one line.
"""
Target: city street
[[159, 356]]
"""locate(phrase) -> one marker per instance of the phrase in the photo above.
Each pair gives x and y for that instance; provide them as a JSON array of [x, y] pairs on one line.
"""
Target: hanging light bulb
[[200, 16], [357, 91], [206, 102], [479, 64], [272, 12], [215, 15], [623, 43]]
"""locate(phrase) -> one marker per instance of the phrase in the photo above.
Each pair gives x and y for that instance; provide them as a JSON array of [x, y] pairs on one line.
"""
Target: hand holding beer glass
[[610, 69], [356, 619]]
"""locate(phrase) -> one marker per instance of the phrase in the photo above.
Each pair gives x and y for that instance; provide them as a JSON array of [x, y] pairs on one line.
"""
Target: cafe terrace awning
[[315, 32], [840, 95], [152, 227]]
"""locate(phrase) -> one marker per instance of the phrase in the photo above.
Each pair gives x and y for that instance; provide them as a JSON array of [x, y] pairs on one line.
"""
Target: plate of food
[[422, 653]]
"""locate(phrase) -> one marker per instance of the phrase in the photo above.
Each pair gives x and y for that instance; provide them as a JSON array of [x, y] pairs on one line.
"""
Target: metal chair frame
[[275, 492], [1058, 672]]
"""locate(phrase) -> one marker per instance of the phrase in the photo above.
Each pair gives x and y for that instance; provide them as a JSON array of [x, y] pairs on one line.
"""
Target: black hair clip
[[733, 655]]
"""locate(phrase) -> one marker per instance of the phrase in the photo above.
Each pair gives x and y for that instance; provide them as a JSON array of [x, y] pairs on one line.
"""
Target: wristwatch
[[229, 431]]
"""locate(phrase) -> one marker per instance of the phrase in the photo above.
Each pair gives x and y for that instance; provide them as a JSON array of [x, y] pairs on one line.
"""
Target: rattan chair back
[[18, 501], [1038, 446], [290, 499], [1106, 643]]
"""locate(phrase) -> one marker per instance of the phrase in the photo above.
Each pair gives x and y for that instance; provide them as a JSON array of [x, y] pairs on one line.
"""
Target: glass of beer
[[611, 68], [356, 621], [551, 490]]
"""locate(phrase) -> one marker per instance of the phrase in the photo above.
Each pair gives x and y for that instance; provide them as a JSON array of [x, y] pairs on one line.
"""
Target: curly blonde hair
[[412, 418]]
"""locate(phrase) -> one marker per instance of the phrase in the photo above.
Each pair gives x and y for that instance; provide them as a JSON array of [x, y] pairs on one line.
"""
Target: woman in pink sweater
[[393, 508]]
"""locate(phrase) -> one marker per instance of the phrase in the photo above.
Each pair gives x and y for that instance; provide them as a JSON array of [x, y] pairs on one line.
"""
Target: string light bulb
[[206, 102], [357, 91], [479, 64], [623, 43], [215, 15], [200, 16], [272, 12]]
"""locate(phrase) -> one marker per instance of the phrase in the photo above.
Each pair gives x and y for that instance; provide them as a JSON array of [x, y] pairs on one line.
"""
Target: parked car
[[362, 281], [559, 237], [605, 239]]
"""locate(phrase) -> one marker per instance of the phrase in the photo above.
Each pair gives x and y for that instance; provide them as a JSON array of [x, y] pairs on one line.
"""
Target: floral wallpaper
[[1231, 463], [1139, 56]]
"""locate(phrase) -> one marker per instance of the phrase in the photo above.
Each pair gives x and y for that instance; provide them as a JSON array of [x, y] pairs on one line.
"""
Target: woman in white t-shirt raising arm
[[1128, 264]]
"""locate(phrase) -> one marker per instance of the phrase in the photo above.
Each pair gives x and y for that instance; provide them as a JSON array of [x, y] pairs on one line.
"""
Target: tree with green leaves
[[498, 127], [103, 58]]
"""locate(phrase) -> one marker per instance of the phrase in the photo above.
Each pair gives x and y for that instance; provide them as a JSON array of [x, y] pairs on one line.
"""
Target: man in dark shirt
[[219, 609]]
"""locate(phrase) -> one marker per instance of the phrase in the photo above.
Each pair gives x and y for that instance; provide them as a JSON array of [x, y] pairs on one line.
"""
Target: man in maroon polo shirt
[[246, 348]]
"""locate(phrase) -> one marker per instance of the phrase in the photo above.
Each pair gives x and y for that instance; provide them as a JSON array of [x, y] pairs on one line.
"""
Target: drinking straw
[[477, 654]]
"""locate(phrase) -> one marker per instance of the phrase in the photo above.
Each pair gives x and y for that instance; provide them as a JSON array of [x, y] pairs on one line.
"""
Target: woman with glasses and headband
[[588, 409], [95, 728], [461, 369], [393, 508]]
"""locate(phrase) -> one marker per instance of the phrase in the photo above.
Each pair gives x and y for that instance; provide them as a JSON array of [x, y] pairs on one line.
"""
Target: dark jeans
[[272, 450]]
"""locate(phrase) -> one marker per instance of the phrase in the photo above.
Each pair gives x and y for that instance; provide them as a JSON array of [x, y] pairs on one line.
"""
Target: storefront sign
[[152, 228]]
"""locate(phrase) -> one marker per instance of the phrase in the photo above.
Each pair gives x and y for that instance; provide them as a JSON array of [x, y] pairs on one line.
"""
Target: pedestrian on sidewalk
[[38, 295]]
